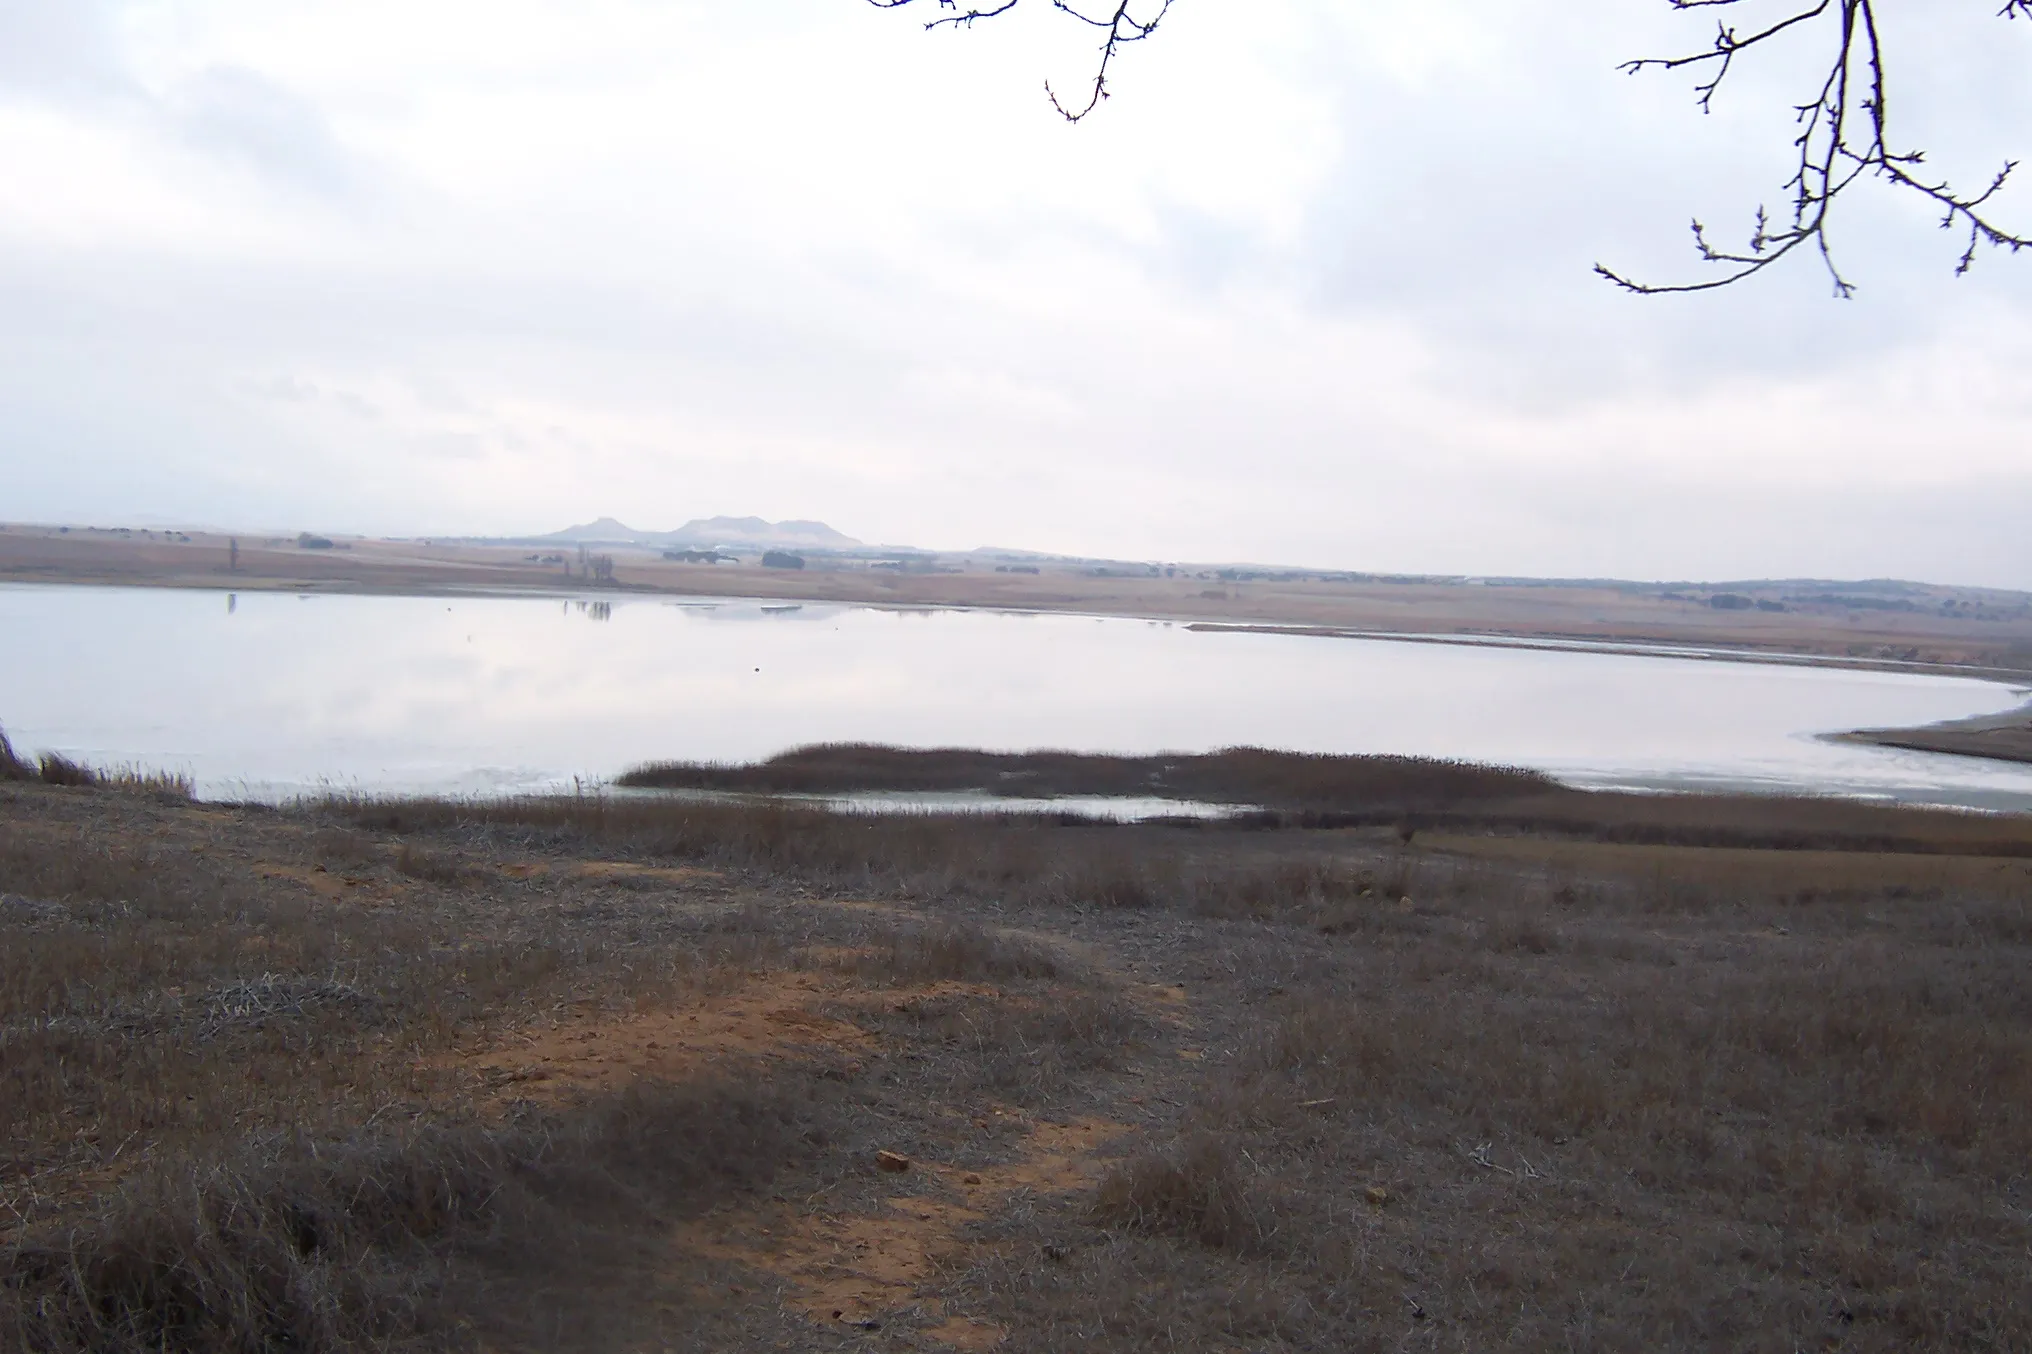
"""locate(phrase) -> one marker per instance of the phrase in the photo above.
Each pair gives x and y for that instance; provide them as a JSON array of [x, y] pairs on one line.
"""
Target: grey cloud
[[60, 49], [890, 388], [1474, 209], [242, 116], [68, 52]]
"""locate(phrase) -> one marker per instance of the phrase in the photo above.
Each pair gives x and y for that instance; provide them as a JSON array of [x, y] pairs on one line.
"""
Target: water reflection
[[272, 695]]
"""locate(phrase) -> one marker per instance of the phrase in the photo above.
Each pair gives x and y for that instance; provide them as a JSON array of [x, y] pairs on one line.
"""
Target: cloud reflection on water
[[273, 695]]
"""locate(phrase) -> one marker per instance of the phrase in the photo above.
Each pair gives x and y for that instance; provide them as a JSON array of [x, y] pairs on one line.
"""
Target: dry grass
[[53, 768], [1579, 1114], [155, 990], [13, 767], [928, 952], [437, 867], [1411, 794], [1482, 1092], [1755, 822], [1286, 780], [1209, 869], [233, 1115], [367, 1240], [1198, 1192]]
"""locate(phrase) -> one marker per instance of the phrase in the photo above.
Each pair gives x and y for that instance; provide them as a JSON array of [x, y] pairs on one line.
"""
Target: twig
[[1843, 138], [1119, 26]]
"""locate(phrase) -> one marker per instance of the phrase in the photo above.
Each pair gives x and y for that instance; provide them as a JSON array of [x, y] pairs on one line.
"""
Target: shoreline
[[1557, 643], [1533, 641], [1921, 628], [2005, 737]]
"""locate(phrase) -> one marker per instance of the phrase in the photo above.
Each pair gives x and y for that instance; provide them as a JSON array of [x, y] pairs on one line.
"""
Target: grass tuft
[[921, 953], [1197, 1192], [53, 768], [14, 767], [436, 867]]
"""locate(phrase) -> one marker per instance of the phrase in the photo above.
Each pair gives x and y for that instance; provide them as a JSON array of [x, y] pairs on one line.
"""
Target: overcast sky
[[1313, 287]]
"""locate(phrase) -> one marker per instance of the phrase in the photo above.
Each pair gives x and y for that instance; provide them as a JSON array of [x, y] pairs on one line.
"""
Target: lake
[[266, 695]]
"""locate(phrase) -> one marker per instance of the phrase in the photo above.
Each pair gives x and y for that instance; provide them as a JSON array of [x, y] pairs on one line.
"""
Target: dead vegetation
[[1197, 1192], [13, 767], [1317, 791], [1255, 776], [53, 768], [599, 1073], [1741, 1115], [374, 1239]]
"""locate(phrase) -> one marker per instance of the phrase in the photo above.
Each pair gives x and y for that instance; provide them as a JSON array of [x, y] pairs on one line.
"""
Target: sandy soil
[[1962, 628]]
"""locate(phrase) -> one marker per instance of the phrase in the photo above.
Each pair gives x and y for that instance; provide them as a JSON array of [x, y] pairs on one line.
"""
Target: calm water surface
[[268, 695]]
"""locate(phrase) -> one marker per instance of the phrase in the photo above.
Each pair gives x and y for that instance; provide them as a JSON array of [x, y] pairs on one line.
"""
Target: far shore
[[2005, 737], [1936, 630], [1959, 632], [1633, 649]]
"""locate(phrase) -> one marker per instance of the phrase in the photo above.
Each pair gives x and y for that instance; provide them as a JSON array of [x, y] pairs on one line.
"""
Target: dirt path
[[884, 1244]]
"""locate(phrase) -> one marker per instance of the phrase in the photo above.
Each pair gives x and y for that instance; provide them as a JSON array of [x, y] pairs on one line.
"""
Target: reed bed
[[1406, 793], [1249, 776], [53, 768]]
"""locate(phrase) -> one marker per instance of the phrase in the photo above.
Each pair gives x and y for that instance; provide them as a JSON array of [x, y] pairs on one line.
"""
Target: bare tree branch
[[1843, 127], [1843, 138], [1118, 26]]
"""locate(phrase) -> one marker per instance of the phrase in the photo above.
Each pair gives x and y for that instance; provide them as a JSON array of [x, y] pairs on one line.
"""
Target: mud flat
[[2003, 738]]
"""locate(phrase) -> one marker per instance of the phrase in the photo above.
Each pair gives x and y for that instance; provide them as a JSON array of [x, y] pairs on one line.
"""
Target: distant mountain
[[736, 532], [753, 531], [605, 531]]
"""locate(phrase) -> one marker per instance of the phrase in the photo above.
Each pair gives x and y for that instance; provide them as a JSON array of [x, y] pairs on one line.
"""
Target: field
[[630, 1074]]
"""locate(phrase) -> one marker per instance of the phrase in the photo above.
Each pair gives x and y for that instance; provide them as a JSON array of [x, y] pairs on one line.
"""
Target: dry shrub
[[1197, 1192]]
